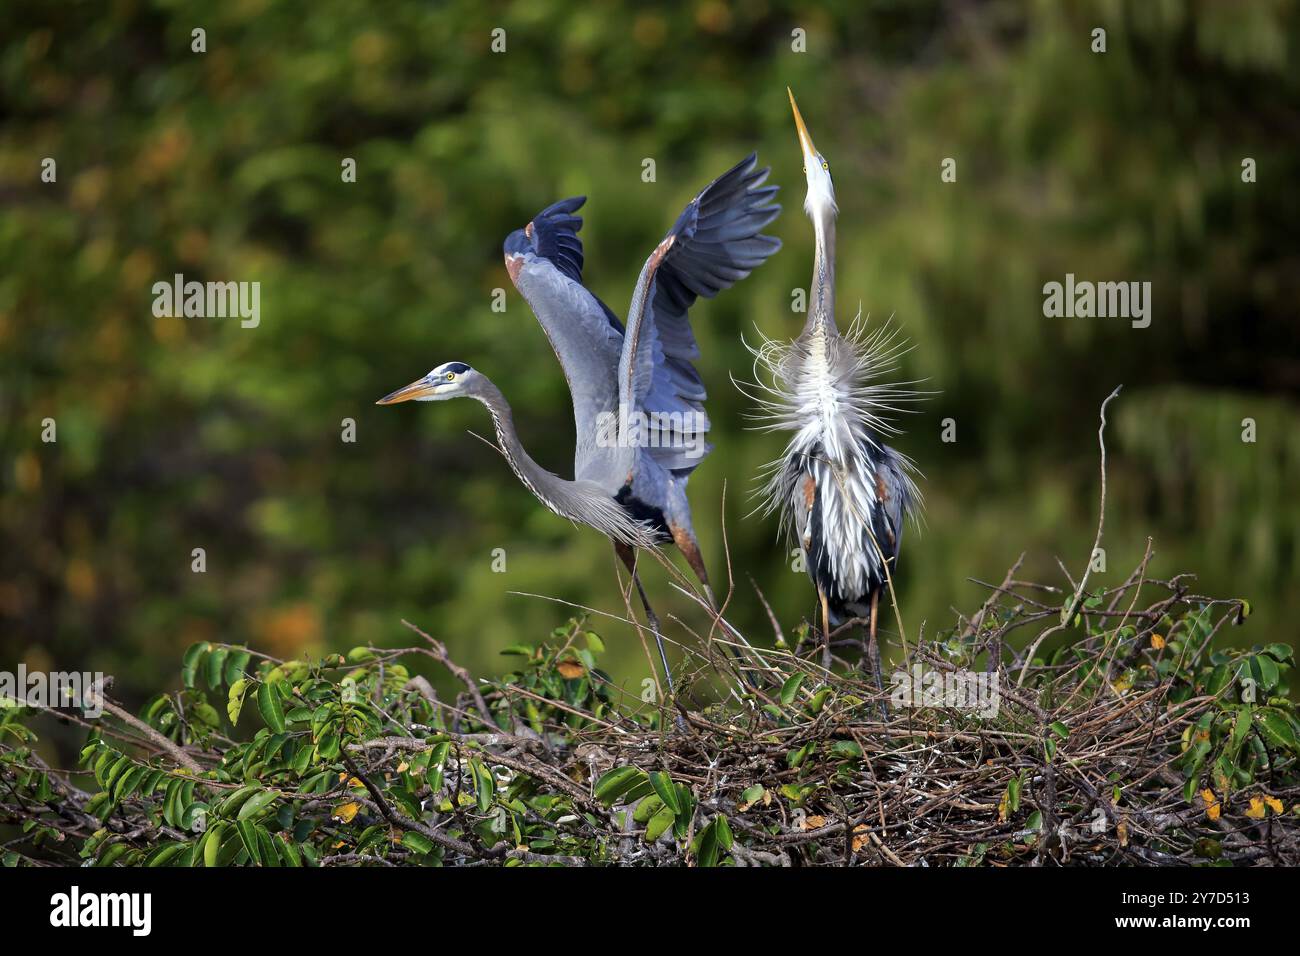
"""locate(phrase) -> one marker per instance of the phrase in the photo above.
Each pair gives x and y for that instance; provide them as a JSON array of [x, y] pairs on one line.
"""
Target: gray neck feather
[[582, 501], [536, 478]]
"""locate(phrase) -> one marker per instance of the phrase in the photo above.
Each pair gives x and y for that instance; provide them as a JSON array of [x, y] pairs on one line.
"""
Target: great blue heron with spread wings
[[638, 402], [842, 493]]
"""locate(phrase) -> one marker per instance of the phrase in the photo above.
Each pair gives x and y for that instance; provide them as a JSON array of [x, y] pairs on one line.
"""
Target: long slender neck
[[821, 304], [581, 501], [542, 483]]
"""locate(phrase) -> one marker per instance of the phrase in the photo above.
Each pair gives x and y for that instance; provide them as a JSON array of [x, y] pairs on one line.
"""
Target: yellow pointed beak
[[417, 389], [805, 140]]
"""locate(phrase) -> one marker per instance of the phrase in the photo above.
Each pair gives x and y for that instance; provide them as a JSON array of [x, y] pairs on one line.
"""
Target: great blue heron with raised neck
[[638, 402], [841, 492]]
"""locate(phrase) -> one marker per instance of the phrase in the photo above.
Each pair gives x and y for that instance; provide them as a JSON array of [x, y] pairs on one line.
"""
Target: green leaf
[[113, 854], [288, 852], [1060, 730], [236, 663], [165, 853], [212, 845], [616, 782], [796, 794], [706, 853], [647, 808], [1219, 679], [257, 803], [485, 785], [318, 782], [417, 842], [796, 757], [1276, 729], [664, 787], [270, 856], [126, 784], [1282, 653], [114, 774], [790, 688], [231, 804], [268, 702], [1264, 669], [190, 662], [201, 712], [660, 822], [846, 748], [725, 838], [1013, 794], [438, 755], [1240, 728], [686, 802], [819, 701], [171, 807], [248, 836], [328, 746], [149, 787], [216, 667]]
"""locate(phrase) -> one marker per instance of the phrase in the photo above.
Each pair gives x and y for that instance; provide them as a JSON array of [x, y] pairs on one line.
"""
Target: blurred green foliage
[[175, 434]]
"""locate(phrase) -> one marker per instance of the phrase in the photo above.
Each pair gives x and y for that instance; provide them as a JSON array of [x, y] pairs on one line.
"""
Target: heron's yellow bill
[[417, 389], [805, 139]]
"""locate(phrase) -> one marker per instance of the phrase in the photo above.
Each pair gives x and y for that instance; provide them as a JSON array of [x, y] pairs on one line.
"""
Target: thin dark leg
[[629, 558], [826, 630], [873, 653], [653, 620]]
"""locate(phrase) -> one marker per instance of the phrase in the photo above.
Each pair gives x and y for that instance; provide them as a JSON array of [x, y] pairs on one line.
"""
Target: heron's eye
[[825, 165], [805, 170], [451, 376]]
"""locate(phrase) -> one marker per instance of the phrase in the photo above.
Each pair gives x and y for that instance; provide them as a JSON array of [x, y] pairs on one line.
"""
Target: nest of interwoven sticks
[[1119, 735], [1050, 727]]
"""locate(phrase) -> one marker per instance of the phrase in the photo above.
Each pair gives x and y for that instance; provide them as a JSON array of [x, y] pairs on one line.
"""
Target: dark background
[[181, 433]]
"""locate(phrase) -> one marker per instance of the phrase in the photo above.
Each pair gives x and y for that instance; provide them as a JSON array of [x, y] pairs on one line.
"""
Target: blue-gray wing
[[544, 260], [896, 499], [714, 244], [554, 236]]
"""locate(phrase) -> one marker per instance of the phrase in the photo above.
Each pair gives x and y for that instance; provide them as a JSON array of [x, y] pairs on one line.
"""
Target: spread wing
[[714, 244], [544, 260]]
